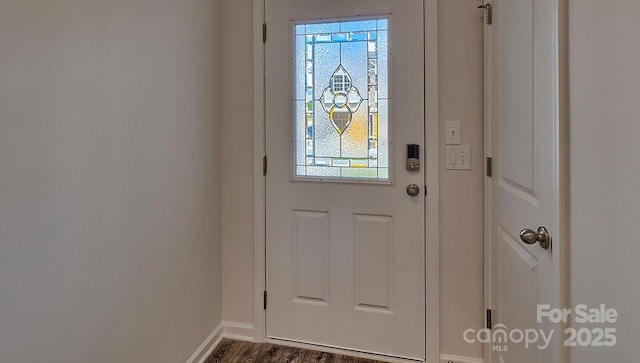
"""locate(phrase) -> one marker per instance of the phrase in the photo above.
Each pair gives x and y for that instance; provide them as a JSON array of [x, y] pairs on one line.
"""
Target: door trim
[[432, 142], [488, 111]]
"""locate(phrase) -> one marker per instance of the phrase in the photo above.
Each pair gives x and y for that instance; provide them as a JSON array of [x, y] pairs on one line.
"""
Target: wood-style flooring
[[236, 351]]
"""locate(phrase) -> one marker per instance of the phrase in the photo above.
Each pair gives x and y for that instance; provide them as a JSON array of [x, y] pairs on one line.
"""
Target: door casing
[[432, 142]]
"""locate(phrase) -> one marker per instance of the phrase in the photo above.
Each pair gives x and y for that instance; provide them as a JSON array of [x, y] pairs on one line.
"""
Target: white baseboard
[[238, 331], [243, 331], [448, 358], [207, 346]]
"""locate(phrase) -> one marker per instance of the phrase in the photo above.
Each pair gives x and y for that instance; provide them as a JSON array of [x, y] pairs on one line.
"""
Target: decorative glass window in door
[[341, 100]]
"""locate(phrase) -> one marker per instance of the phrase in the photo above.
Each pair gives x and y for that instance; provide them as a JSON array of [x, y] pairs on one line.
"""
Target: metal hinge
[[264, 165], [488, 12], [265, 299], [489, 319], [489, 167], [264, 32]]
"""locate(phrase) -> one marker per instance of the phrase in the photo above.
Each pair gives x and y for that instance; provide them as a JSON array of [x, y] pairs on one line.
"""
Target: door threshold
[[341, 350]]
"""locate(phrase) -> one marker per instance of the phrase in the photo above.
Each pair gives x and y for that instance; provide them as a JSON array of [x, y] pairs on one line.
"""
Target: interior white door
[[345, 243], [525, 194]]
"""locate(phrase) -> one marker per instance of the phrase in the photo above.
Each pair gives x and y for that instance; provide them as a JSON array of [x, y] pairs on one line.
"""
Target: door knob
[[413, 190], [542, 236]]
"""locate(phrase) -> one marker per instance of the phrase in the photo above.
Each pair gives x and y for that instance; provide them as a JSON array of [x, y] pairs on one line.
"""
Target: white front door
[[525, 187], [345, 244]]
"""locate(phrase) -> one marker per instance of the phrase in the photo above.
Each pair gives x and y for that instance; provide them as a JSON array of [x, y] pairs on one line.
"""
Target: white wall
[[237, 170], [605, 166], [460, 49], [109, 180], [460, 99]]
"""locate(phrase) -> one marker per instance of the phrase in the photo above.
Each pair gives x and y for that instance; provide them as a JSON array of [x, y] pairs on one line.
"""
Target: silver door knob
[[413, 190], [542, 236]]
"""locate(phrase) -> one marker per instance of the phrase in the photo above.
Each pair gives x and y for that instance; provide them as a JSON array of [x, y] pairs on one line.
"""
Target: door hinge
[[264, 299], [264, 165], [489, 166], [488, 12], [489, 319], [264, 32]]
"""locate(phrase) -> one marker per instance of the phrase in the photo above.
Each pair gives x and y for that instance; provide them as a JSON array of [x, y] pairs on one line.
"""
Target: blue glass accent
[[359, 25], [322, 38], [357, 37], [309, 94], [340, 37], [373, 35]]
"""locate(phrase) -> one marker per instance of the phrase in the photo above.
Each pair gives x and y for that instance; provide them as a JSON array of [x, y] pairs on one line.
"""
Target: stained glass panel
[[341, 100]]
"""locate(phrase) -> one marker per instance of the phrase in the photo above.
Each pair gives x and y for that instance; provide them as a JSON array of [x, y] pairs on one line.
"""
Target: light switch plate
[[453, 135], [458, 158]]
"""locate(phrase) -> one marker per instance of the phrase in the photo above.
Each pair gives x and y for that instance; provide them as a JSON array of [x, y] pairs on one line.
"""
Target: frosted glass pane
[[383, 133], [383, 64], [327, 59], [350, 26], [323, 28], [341, 117], [354, 60], [359, 173], [383, 24], [323, 171], [300, 133], [300, 67], [327, 139]]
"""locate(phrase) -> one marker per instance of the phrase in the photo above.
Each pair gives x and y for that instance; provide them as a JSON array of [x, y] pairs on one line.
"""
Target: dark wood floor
[[237, 351]]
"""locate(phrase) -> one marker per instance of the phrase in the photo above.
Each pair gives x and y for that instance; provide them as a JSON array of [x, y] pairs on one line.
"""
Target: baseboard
[[238, 331], [448, 358], [243, 331], [208, 346]]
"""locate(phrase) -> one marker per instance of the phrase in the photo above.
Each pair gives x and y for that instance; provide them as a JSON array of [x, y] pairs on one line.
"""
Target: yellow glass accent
[[360, 163], [375, 126], [355, 138]]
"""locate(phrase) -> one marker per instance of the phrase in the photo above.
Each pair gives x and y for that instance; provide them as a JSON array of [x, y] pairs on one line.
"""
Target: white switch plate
[[453, 135], [458, 158]]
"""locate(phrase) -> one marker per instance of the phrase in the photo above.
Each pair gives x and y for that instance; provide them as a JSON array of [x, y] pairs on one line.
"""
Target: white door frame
[[562, 69], [432, 142]]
